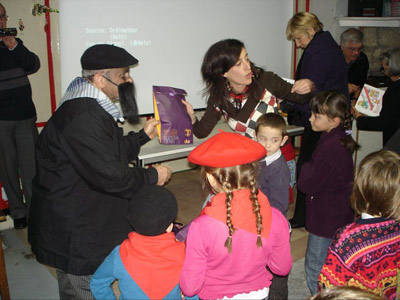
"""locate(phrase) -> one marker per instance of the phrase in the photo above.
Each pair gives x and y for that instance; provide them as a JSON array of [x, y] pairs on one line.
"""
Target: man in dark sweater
[[18, 132], [351, 43]]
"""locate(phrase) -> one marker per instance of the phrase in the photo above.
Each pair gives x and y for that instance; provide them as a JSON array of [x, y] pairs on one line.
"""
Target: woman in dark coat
[[323, 63]]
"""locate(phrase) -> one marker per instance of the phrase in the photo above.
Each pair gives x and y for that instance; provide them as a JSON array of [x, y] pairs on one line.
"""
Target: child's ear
[[284, 140], [336, 121]]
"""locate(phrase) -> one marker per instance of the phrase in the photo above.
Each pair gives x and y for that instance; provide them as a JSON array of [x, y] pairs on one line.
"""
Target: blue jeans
[[317, 248]]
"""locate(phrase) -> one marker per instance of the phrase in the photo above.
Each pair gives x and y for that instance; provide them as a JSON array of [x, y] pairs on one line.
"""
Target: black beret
[[104, 56], [152, 210]]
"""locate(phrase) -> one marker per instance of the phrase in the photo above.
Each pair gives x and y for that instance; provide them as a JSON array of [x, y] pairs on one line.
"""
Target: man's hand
[[9, 41], [190, 111], [302, 86], [356, 114], [353, 88], [164, 174], [150, 127]]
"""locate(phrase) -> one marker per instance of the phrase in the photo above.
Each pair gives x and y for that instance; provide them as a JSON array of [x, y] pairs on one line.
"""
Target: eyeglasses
[[352, 49], [4, 17]]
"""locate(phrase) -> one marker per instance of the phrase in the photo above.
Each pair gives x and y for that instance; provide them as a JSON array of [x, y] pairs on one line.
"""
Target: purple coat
[[323, 63], [327, 182]]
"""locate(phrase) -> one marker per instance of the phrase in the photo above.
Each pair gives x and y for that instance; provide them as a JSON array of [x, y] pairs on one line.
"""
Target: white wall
[[326, 11], [176, 35]]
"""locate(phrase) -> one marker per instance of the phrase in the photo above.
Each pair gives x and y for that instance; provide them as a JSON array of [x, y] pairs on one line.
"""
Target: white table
[[153, 151]]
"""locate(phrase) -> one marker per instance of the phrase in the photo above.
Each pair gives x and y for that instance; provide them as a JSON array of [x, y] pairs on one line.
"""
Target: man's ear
[[284, 140], [98, 81]]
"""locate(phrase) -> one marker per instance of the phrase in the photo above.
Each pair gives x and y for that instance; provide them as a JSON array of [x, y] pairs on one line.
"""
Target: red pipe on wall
[[47, 29]]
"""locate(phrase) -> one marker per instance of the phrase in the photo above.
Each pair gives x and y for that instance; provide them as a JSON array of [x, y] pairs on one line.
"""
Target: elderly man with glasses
[[18, 131], [351, 43]]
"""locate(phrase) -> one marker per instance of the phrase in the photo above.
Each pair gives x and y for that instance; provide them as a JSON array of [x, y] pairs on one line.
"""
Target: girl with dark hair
[[327, 179], [238, 233]]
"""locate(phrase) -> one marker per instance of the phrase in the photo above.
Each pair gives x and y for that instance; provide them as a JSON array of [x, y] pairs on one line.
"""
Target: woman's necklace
[[237, 99]]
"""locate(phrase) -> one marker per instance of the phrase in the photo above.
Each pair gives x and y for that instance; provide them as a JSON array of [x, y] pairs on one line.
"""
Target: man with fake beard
[[83, 182]]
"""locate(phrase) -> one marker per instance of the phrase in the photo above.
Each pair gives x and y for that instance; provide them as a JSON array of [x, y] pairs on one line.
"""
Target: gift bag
[[175, 126]]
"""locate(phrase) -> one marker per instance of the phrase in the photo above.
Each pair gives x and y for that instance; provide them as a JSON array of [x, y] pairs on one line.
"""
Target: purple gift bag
[[175, 126]]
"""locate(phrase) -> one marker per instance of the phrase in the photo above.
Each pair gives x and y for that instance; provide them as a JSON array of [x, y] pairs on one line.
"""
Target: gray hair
[[89, 74], [394, 62], [384, 57], [353, 35]]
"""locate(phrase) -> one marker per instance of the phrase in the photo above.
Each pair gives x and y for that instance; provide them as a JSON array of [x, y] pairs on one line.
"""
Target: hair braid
[[229, 197], [347, 120], [256, 209]]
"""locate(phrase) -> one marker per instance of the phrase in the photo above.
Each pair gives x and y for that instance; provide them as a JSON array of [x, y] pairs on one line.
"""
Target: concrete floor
[[28, 279]]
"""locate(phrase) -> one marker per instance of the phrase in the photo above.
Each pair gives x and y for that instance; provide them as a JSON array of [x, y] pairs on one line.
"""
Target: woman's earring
[[228, 86]]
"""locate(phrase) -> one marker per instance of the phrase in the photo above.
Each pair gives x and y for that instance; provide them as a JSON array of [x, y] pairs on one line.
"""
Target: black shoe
[[20, 223], [294, 224]]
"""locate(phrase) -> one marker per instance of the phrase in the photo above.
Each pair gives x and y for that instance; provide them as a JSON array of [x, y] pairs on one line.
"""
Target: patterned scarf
[[81, 88], [237, 99]]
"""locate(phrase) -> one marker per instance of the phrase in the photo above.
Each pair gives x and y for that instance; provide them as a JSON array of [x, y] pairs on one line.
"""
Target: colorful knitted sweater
[[365, 254]]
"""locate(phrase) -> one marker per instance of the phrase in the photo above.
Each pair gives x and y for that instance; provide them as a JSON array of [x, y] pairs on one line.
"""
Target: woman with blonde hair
[[323, 63]]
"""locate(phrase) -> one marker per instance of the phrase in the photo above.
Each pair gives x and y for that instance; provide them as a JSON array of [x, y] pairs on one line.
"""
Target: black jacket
[[389, 119], [15, 90], [82, 187]]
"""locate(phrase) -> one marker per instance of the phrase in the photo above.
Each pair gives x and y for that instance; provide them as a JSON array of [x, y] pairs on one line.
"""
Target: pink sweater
[[211, 272]]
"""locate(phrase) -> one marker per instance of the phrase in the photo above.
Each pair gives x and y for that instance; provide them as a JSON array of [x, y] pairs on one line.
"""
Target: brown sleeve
[[203, 127], [281, 89]]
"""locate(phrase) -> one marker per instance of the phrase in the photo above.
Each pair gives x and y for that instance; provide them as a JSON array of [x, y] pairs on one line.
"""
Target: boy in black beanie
[[148, 264]]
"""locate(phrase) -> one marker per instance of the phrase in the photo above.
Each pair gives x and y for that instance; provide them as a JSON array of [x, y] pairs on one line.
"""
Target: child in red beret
[[238, 233]]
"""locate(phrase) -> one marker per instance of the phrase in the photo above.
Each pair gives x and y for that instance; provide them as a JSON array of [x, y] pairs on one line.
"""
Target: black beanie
[[152, 210], [105, 56]]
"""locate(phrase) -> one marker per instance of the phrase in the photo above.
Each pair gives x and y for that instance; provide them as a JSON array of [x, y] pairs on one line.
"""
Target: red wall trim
[[47, 29]]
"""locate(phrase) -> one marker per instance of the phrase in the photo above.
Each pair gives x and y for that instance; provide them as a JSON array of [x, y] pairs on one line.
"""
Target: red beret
[[226, 149]]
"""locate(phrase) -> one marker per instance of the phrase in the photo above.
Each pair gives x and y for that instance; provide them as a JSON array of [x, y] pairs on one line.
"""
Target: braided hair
[[235, 178], [335, 105]]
